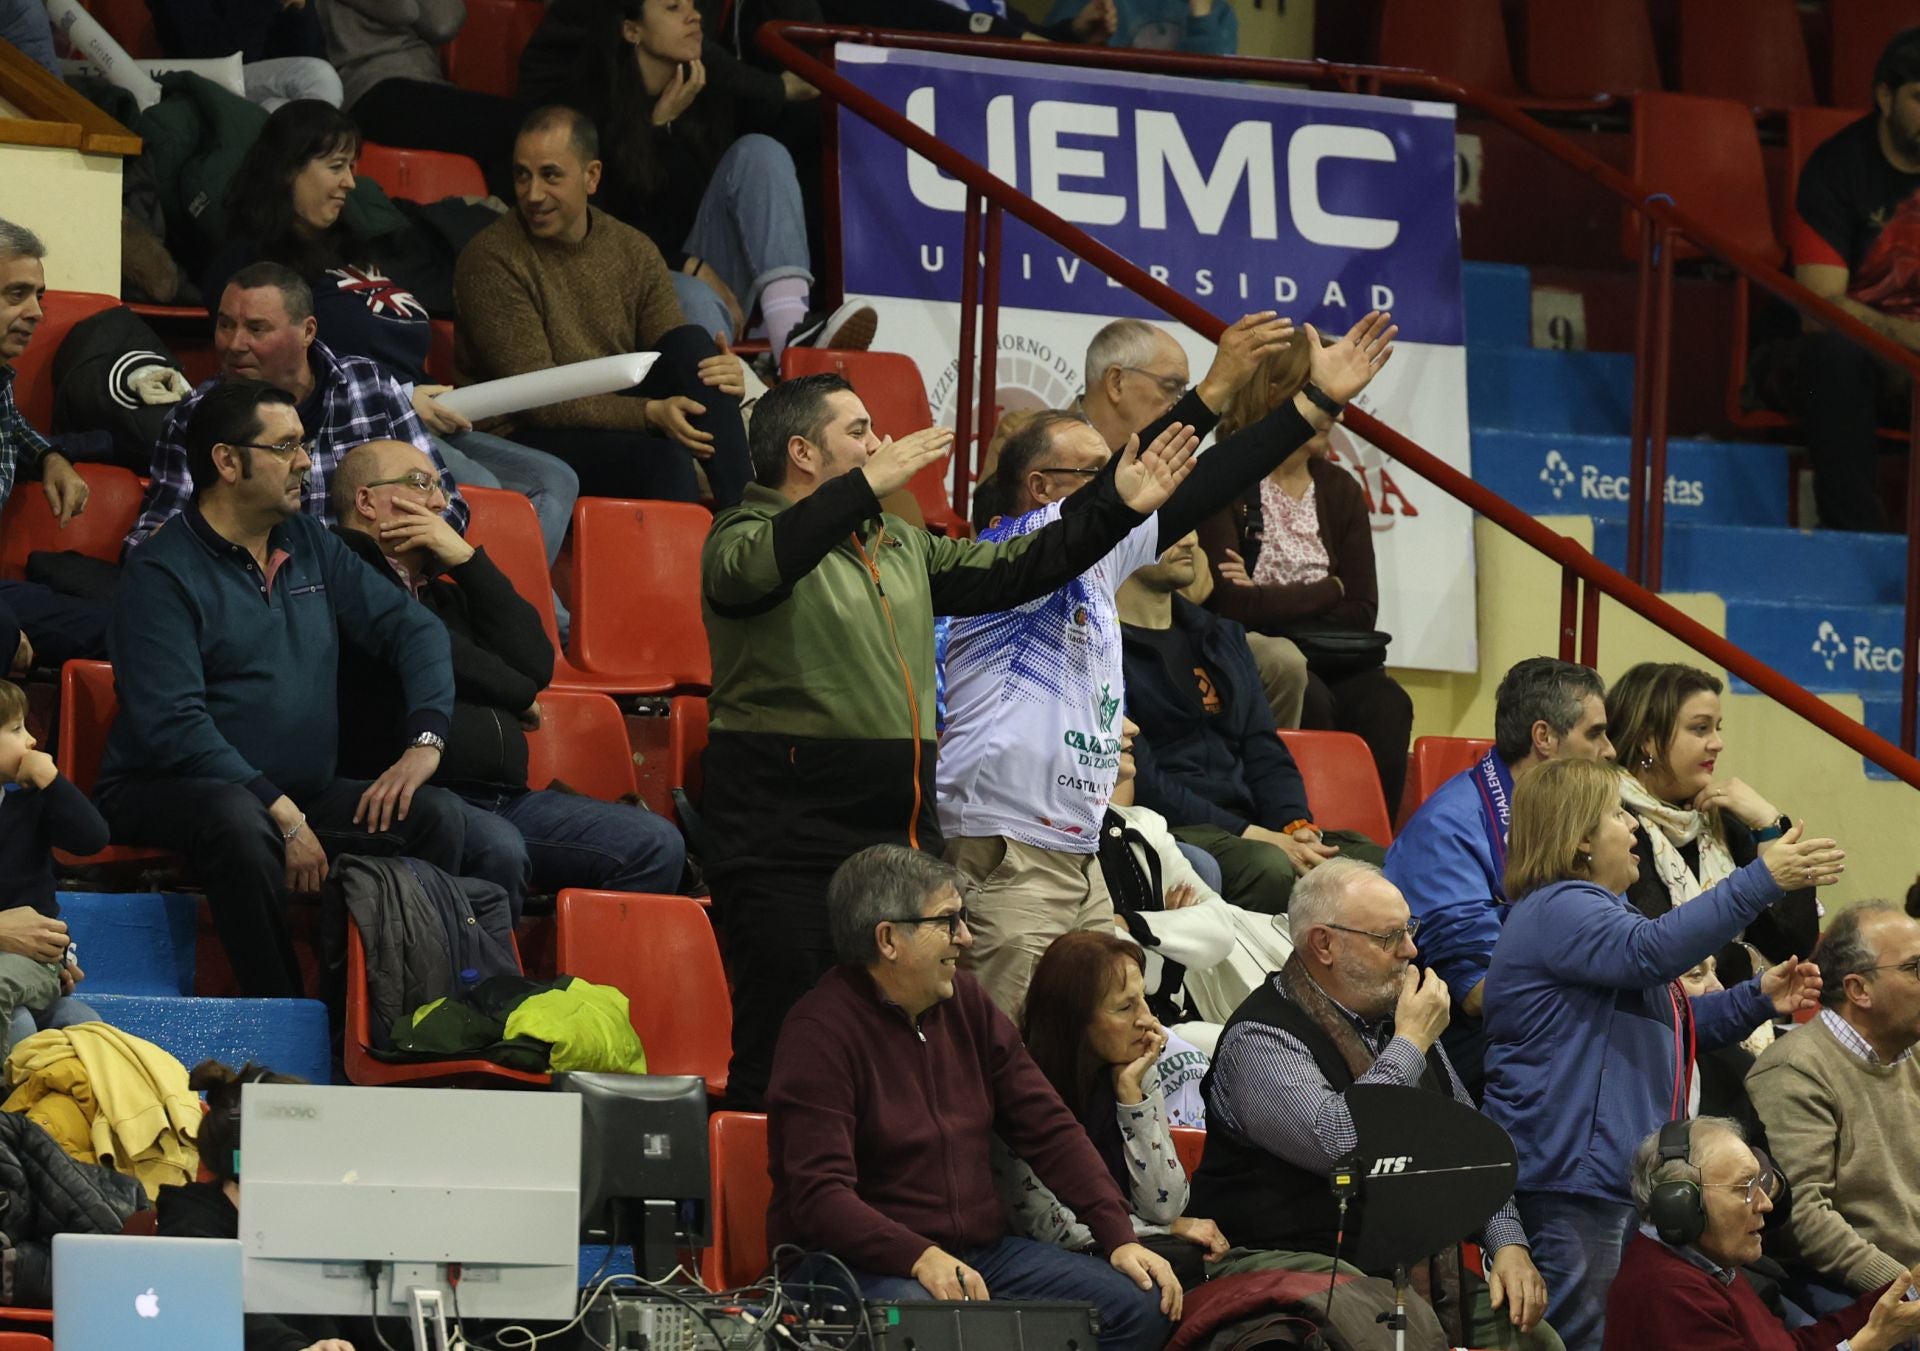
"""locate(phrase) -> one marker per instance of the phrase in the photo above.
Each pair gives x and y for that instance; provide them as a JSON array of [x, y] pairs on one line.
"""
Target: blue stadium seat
[[135, 943], [290, 1035]]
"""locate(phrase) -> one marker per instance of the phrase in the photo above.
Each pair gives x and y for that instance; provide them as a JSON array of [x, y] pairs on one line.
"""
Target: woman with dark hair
[[1294, 559], [212, 1209], [725, 209], [1695, 829], [1089, 1030], [291, 203]]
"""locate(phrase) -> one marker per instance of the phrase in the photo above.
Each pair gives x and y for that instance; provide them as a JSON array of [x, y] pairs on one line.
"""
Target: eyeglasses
[[1389, 940], [955, 920], [1912, 968], [419, 480], [1762, 1182], [1173, 386], [285, 450], [1061, 469]]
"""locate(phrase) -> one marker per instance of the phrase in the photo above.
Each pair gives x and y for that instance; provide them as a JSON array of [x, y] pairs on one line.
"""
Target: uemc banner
[[1319, 206]]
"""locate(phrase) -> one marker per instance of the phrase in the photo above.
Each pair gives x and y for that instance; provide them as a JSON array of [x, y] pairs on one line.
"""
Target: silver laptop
[[114, 1293]]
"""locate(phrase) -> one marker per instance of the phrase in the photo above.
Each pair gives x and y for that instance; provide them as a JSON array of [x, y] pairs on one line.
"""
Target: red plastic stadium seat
[[636, 614], [27, 524], [1438, 758], [660, 952], [29, 1341], [686, 739], [889, 384], [485, 55], [33, 371], [363, 1068], [504, 524], [88, 706], [581, 741], [1464, 40], [1596, 49], [420, 175], [129, 23], [742, 1190], [1752, 51], [1859, 32], [1343, 787], [1705, 154], [1189, 1144]]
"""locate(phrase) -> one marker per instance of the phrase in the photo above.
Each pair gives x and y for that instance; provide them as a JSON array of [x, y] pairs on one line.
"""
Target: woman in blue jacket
[[1590, 1036]]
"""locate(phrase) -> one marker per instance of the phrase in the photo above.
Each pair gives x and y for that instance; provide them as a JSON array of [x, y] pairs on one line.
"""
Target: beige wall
[[1796, 765], [72, 201]]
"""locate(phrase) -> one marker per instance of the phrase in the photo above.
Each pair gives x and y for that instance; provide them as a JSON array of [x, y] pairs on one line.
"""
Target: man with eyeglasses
[[1703, 1210], [264, 329], [1032, 745], [1840, 1098], [890, 1079], [388, 499], [226, 634], [1349, 1007]]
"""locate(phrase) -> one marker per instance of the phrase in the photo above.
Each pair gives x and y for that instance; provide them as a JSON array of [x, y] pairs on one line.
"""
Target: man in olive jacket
[[819, 612]]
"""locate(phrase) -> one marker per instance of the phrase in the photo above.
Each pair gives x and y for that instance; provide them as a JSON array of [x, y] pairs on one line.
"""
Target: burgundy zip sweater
[[877, 1130]]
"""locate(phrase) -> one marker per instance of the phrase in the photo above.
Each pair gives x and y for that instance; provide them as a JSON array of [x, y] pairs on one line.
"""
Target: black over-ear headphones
[[1678, 1209]]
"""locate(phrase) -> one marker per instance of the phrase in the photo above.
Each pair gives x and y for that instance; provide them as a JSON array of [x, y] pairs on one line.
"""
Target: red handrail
[[781, 41]]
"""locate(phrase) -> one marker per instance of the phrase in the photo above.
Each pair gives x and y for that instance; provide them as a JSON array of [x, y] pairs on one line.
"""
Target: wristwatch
[[1322, 400], [430, 740]]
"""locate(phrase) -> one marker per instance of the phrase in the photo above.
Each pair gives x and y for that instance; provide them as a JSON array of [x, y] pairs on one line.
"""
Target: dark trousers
[[778, 945], [1845, 397], [1374, 708], [235, 850], [59, 627], [637, 464], [419, 115]]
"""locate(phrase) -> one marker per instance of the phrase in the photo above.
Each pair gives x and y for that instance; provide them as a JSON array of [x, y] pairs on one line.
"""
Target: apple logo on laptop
[[147, 1305]]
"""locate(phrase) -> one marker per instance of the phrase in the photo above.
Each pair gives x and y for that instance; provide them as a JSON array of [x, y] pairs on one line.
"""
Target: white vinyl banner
[[1320, 206]]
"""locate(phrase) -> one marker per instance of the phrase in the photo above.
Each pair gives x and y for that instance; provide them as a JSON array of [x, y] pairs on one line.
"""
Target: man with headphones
[[1704, 1194]]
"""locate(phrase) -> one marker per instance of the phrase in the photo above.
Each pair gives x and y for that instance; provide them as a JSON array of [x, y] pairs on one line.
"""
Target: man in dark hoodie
[[387, 499]]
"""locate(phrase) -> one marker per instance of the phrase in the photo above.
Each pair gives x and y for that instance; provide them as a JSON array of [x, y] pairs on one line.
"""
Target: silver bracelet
[[286, 836]]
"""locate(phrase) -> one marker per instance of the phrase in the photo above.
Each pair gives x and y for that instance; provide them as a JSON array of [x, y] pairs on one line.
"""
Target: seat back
[[129, 23], [742, 1190], [420, 175], [686, 741], [661, 953], [28, 526], [637, 592], [1858, 32], [504, 524], [1343, 787], [362, 1067], [88, 706], [485, 55], [1704, 153], [1752, 51], [582, 741], [1590, 50], [33, 1341], [1464, 40], [33, 369], [1807, 130], [889, 384], [1189, 1144], [1438, 758]]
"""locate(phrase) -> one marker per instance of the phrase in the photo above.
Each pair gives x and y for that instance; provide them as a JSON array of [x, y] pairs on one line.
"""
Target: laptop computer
[[115, 1293]]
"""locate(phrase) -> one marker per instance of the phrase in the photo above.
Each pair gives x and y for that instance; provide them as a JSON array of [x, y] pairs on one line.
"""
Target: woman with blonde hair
[[1294, 559], [1696, 828], [1591, 1037]]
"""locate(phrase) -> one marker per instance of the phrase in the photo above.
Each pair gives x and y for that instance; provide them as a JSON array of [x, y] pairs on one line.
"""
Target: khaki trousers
[[1023, 898]]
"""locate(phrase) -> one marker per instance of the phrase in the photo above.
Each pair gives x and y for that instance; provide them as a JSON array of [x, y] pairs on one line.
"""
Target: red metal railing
[[1584, 578]]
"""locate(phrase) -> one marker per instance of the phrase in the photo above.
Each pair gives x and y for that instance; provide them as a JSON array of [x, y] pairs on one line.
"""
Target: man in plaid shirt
[[265, 330], [38, 626]]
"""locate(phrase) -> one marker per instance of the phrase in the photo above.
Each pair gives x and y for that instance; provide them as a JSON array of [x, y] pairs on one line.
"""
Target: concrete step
[[1708, 482], [1499, 303], [1851, 649], [1538, 390], [1772, 562]]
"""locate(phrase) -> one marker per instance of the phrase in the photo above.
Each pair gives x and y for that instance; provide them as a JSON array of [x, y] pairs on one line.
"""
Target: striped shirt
[[1844, 1033], [357, 402], [20, 445], [1268, 1090]]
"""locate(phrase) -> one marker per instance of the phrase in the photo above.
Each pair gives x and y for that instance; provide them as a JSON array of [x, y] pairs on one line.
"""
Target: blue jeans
[[1019, 1268], [1203, 863], [548, 482], [702, 305], [1577, 1241], [751, 227], [62, 1012], [566, 840]]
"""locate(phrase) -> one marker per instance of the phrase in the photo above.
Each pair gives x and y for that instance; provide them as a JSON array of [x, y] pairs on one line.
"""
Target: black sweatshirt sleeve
[[1230, 468], [1163, 793], [505, 624], [751, 563], [1191, 409], [71, 822]]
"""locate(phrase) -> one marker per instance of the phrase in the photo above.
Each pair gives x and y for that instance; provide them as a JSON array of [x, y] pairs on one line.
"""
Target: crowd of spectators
[[1026, 934]]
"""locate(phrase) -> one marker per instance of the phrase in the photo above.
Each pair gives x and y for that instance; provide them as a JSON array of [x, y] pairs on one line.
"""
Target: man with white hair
[[1349, 1007], [1703, 1195]]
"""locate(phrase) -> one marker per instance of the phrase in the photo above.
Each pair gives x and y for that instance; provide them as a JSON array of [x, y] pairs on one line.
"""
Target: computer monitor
[[338, 1181], [643, 1163]]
